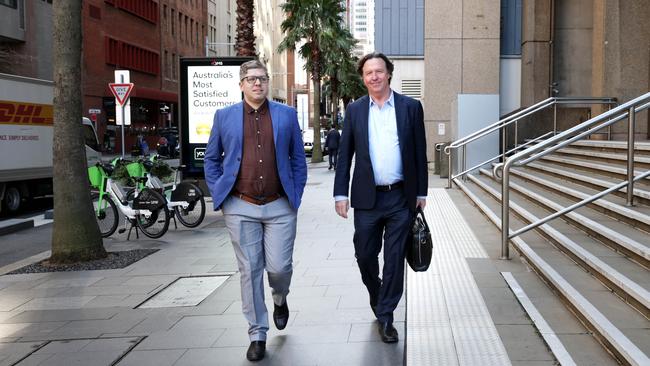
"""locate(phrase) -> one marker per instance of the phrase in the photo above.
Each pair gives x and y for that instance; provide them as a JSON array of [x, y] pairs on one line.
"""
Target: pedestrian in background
[[332, 144], [256, 171], [385, 131]]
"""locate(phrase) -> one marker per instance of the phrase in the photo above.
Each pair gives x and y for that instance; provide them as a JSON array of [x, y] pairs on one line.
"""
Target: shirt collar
[[390, 101], [262, 109]]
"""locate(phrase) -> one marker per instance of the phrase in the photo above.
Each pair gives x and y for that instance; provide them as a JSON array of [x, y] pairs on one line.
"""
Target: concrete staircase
[[596, 258]]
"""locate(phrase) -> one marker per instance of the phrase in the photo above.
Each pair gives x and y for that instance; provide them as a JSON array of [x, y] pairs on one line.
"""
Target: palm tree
[[308, 20], [245, 40], [338, 44], [75, 234]]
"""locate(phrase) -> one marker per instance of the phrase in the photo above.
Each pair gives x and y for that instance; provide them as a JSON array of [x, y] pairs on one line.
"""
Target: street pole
[[123, 118]]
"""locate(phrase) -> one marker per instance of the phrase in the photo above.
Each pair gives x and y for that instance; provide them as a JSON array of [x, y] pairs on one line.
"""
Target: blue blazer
[[224, 152], [354, 142]]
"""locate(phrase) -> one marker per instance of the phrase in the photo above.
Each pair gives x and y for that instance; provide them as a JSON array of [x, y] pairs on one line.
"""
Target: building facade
[[26, 38], [221, 27], [399, 34], [148, 38], [501, 55], [362, 25]]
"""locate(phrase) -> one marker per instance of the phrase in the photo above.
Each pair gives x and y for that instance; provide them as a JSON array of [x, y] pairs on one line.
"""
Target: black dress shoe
[[281, 315], [387, 332], [256, 351]]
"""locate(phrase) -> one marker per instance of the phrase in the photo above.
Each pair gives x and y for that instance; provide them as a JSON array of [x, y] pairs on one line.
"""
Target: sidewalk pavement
[[89, 317]]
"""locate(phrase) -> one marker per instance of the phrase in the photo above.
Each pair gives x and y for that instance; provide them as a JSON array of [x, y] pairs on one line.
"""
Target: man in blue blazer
[[256, 171], [385, 132]]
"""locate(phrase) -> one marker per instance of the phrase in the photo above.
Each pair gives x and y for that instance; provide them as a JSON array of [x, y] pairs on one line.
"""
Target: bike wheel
[[106, 214], [157, 223], [193, 215]]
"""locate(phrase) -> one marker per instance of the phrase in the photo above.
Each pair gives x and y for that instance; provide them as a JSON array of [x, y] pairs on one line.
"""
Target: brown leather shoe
[[256, 351], [387, 332], [281, 315]]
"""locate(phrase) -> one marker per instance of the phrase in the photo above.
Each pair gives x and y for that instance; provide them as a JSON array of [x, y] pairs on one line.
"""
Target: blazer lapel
[[275, 121], [238, 128]]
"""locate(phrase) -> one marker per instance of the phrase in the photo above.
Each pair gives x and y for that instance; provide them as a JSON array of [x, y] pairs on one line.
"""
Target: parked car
[[308, 139]]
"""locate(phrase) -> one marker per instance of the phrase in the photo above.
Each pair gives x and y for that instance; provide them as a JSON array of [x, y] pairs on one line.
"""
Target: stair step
[[640, 147], [614, 157], [619, 341], [634, 243], [584, 164], [611, 205], [600, 182], [636, 294]]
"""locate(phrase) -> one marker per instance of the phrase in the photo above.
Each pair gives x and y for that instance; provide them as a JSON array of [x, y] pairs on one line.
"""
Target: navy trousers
[[390, 218]]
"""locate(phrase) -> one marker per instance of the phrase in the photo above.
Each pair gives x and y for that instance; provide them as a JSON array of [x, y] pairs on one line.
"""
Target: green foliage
[[121, 174], [161, 170]]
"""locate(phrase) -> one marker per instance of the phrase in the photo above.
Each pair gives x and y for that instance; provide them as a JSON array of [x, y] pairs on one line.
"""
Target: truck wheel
[[12, 199]]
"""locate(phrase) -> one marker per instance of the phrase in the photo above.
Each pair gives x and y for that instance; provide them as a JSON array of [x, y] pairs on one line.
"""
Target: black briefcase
[[419, 247]]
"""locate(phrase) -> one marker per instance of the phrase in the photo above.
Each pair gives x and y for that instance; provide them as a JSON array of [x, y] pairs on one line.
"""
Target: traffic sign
[[121, 91]]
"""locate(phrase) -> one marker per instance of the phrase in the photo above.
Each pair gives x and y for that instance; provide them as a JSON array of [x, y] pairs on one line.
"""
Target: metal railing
[[625, 111], [510, 120]]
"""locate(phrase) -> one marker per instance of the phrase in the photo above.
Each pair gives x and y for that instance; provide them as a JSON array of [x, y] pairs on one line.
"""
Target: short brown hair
[[389, 65], [252, 64]]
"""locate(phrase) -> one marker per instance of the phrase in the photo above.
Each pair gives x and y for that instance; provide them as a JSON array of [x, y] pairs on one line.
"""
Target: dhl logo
[[25, 113]]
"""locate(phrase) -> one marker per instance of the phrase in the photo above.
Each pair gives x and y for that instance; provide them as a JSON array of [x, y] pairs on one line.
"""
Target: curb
[[13, 225]]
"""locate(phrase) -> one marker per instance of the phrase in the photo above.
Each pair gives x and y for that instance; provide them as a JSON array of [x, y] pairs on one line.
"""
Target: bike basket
[[95, 175], [148, 200], [135, 170], [187, 192]]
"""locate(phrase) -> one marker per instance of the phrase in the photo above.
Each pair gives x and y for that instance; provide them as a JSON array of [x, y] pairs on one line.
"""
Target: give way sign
[[121, 91]]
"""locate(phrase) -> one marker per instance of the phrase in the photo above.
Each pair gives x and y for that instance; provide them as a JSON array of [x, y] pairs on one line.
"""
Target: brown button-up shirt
[[258, 175]]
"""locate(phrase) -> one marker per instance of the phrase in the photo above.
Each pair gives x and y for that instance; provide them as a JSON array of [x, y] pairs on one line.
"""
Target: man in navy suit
[[385, 132], [256, 171]]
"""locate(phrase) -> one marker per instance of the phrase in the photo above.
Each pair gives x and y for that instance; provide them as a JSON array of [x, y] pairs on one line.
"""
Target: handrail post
[[449, 170], [464, 166], [631, 118], [516, 132], [554, 118], [505, 211], [609, 128], [504, 140]]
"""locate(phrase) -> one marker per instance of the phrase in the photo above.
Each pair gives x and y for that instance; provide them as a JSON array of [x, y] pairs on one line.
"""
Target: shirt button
[[258, 132], [259, 145], [260, 160], [261, 177]]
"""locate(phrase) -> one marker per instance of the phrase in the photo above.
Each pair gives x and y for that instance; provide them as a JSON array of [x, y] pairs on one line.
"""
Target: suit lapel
[[401, 118], [365, 111]]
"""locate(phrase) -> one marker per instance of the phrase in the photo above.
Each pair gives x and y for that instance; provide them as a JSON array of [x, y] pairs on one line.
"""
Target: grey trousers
[[263, 238]]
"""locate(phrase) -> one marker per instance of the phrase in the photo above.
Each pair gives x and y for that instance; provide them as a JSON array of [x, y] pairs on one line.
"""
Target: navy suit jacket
[[225, 146], [354, 142]]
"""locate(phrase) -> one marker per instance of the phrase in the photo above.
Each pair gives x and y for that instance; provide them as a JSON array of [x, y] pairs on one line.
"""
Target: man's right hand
[[342, 208]]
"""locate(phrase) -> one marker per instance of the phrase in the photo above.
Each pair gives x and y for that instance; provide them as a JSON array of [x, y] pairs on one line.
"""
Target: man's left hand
[[421, 202]]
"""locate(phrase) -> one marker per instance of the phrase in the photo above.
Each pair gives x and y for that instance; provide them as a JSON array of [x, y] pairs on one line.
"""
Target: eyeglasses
[[251, 79]]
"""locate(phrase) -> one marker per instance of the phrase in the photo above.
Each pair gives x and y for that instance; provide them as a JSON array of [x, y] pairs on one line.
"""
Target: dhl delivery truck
[[26, 140]]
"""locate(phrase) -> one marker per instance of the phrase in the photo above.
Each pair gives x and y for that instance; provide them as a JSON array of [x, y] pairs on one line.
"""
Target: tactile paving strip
[[447, 320]]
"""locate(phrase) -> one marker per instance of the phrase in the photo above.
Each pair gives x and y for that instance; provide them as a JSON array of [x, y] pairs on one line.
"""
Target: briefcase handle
[[421, 213]]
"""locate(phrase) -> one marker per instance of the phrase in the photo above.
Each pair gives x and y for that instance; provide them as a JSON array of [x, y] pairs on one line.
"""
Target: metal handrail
[[563, 139], [514, 119]]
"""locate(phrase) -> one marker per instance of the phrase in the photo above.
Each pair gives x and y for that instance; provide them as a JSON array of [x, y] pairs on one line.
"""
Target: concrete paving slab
[[152, 358]]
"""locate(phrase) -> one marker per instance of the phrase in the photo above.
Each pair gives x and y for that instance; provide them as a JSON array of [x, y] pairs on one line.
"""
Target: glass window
[[511, 27], [10, 3]]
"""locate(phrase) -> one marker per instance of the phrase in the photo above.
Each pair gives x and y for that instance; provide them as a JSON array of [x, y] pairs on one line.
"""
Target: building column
[[536, 50]]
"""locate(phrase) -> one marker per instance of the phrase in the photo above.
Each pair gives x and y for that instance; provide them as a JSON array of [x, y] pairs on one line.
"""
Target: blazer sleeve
[[420, 152], [345, 153]]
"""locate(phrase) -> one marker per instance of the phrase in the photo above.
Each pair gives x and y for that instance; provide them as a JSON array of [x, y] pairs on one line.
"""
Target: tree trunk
[[245, 40], [317, 151], [75, 234]]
